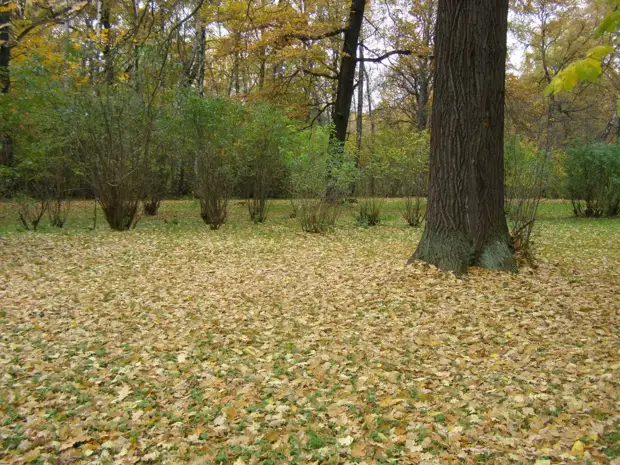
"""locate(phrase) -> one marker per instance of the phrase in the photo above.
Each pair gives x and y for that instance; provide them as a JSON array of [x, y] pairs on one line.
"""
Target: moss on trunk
[[455, 252]]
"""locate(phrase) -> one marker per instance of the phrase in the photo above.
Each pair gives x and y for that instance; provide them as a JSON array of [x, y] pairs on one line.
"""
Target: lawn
[[172, 343]]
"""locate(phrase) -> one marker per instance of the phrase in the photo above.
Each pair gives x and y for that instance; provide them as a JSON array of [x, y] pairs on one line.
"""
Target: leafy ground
[[260, 344]]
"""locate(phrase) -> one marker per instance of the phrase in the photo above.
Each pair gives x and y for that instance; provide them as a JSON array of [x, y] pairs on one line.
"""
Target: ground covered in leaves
[[261, 344]]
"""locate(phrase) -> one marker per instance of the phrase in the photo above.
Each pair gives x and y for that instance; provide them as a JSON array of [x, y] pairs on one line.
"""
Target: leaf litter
[[189, 347]]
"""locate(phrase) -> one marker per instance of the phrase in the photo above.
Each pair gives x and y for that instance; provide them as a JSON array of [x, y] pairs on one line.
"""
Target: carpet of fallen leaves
[[272, 346]]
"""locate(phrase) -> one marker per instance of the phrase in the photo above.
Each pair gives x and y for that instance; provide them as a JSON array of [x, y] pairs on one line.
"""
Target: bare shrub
[[212, 126], [262, 162], [370, 203], [114, 140], [413, 210], [59, 183], [151, 205], [369, 212], [213, 191], [525, 175], [258, 206], [413, 207], [58, 211], [30, 211], [316, 215]]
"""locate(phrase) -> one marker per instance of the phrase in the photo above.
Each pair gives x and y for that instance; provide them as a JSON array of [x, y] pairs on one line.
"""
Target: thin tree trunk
[[423, 96], [6, 141], [104, 24], [5, 51], [370, 112], [202, 37], [614, 121], [466, 225], [346, 76], [360, 104]]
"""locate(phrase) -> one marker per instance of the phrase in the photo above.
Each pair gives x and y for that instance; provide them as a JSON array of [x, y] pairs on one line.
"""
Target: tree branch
[[380, 58], [315, 74], [54, 15], [325, 35]]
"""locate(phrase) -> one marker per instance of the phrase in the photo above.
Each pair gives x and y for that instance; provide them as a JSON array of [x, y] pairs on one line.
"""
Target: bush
[[43, 169], [399, 158], [413, 210], [414, 191], [262, 162], [371, 200], [316, 215], [212, 128], [114, 137], [30, 211], [593, 179], [525, 176], [316, 169]]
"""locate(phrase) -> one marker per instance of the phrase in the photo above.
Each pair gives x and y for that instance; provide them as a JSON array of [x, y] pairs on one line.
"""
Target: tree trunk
[[346, 76], [370, 113], [5, 51], [466, 225], [104, 29], [202, 46], [359, 117], [613, 122], [423, 95], [6, 141]]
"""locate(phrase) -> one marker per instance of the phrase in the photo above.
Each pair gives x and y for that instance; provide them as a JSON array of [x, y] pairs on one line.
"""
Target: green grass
[[184, 214]]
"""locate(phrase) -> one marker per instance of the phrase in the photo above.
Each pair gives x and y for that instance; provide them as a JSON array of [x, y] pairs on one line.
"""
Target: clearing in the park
[[261, 344]]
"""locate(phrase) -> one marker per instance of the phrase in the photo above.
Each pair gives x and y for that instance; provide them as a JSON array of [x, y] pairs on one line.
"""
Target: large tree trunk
[[466, 225], [346, 76]]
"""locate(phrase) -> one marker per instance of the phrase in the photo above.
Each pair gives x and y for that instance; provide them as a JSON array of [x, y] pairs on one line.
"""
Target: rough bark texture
[[346, 76], [107, 48], [5, 51], [6, 142], [422, 101], [359, 116], [466, 225]]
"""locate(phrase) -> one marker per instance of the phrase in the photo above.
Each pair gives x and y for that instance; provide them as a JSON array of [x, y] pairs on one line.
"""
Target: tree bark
[[422, 97], [465, 224], [202, 45], [346, 76], [6, 141], [370, 112], [359, 117], [5, 51]]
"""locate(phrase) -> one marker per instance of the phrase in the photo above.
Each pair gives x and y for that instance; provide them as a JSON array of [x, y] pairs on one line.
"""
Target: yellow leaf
[[358, 450], [32, 455], [9, 7], [388, 402], [124, 392], [577, 449]]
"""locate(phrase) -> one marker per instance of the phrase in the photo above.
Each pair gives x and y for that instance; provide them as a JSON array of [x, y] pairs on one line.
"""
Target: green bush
[[212, 128], [317, 170], [398, 160], [43, 168], [593, 179], [262, 163]]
